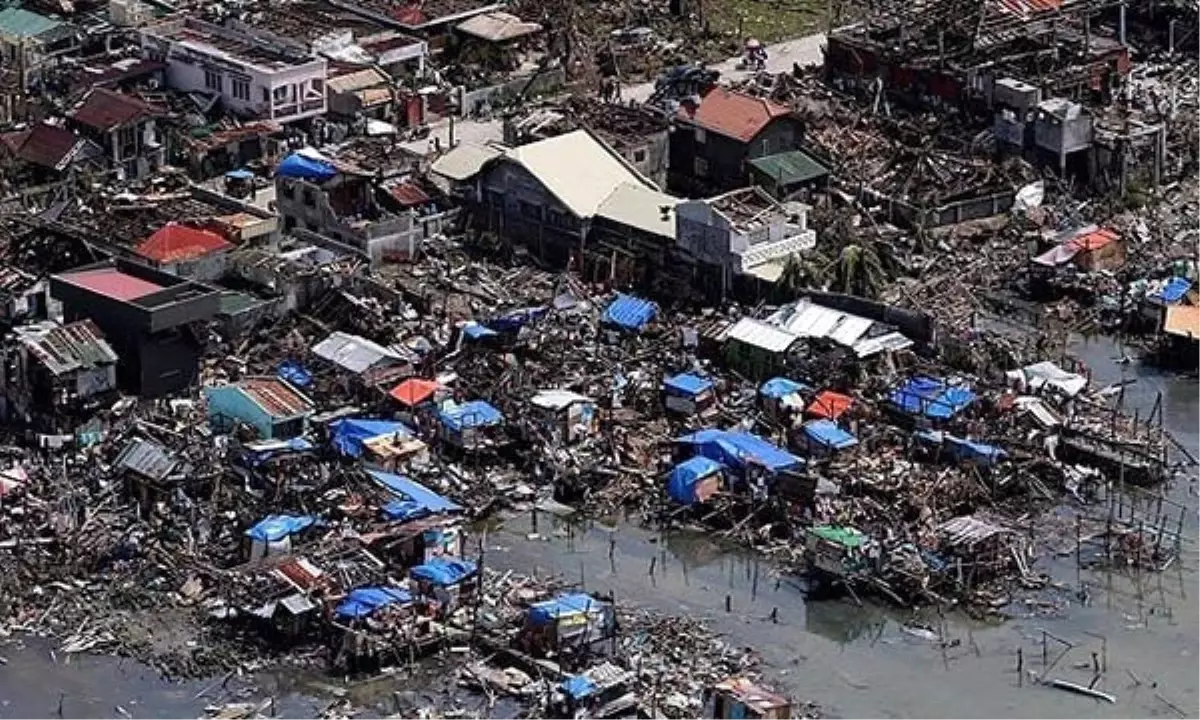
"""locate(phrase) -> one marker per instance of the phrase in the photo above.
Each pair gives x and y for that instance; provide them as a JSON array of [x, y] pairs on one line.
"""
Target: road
[[780, 58]]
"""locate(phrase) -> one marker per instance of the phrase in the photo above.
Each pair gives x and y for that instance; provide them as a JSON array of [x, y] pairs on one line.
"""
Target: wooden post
[[1020, 667]]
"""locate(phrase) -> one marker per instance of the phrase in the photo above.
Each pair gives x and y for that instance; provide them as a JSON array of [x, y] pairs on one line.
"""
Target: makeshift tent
[[516, 319], [931, 397], [414, 391], [688, 384], [961, 449], [1046, 374], [257, 453], [549, 611], [738, 450], [443, 572], [1172, 291], [365, 601], [294, 373], [303, 166], [828, 435], [781, 387], [412, 499], [567, 620], [694, 480], [829, 405], [579, 687], [349, 434], [272, 535], [629, 312]]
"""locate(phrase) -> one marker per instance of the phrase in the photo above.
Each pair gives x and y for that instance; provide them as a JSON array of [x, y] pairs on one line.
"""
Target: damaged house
[[53, 373], [126, 128]]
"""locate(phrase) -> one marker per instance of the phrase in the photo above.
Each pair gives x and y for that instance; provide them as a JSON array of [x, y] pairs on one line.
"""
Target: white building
[[254, 74]]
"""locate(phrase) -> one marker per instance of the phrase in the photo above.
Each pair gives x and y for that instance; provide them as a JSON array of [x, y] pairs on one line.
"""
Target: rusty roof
[[44, 145], [105, 109], [733, 114], [409, 194], [67, 348], [174, 242], [276, 397]]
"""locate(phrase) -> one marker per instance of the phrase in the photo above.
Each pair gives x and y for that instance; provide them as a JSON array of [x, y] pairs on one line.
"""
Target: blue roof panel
[[413, 500], [684, 477], [477, 413], [362, 602], [444, 572], [781, 387], [739, 449], [827, 433], [563, 605], [274, 528], [629, 312], [1174, 290], [688, 384]]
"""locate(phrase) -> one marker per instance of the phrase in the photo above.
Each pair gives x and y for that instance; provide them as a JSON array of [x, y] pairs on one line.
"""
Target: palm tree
[[858, 270]]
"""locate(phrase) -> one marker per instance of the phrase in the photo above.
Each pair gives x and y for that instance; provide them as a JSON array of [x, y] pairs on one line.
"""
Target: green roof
[[844, 536], [788, 168], [17, 22]]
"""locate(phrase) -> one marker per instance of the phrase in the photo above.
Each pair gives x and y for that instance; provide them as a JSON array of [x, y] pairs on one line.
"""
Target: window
[[318, 86], [240, 89], [281, 93], [127, 136], [212, 80], [309, 200], [701, 167], [701, 136], [766, 147], [289, 223], [531, 211], [266, 95], [639, 156]]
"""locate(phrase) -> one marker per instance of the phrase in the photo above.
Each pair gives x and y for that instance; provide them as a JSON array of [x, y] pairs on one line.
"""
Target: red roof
[[414, 391], [411, 15], [44, 145], [733, 114], [105, 109], [1093, 240], [111, 282], [174, 242]]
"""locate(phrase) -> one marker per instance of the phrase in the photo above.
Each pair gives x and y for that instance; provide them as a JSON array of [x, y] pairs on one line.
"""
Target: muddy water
[[855, 661]]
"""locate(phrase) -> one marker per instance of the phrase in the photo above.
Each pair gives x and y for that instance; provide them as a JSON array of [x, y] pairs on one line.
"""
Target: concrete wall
[[520, 208], [207, 268], [548, 81], [228, 405]]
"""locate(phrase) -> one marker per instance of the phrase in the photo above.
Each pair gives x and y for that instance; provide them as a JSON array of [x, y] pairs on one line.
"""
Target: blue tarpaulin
[[258, 453], [684, 477], [302, 167], [932, 398], [827, 433], [961, 449], [475, 331], [629, 312], [1174, 290], [413, 500], [516, 319], [688, 384], [578, 687], [572, 604], [274, 528], [240, 174], [781, 387], [443, 572], [476, 413], [348, 435], [740, 449], [364, 601], [294, 373]]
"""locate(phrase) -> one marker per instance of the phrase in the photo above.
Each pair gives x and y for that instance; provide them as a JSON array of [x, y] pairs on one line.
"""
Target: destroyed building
[[55, 374], [151, 318], [32, 43], [126, 128], [254, 75]]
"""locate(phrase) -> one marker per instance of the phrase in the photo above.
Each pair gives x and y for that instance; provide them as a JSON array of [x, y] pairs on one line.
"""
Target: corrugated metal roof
[[498, 27], [557, 399], [278, 398], [642, 208], [44, 145], [409, 194], [789, 168], [761, 335], [808, 319], [18, 22], [147, 458], [1092, 239], [355, 354], [1183, 321], [632, 313], [66, 348], [357, 80], [464, 160], [733, 114], [576, 168], [174, 242], [970, 529], [104, 109]]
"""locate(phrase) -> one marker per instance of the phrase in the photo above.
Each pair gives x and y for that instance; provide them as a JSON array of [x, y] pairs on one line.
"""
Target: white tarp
[[1047, 374]]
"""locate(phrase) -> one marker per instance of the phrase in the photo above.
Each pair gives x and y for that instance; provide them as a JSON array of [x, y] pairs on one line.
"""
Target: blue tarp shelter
[[963, 449], [295, 373], [477, 413], [740, 449], [685, 478], [827, 434], [548, 611], [781, 387], [931, 397], [302, 167], [629, 312], [349, 434], [413, 500], [365, 601], [1173, 291], [258, 453], [443, 572], [578, 687], [274, 528], [688, 384]]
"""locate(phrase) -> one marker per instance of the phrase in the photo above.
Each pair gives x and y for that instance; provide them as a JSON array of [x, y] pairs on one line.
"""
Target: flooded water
[[854, 661]]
